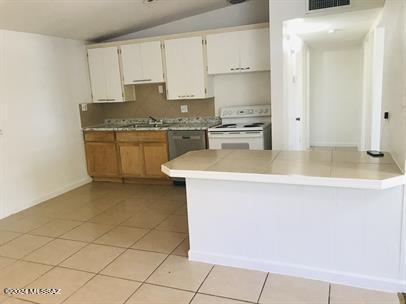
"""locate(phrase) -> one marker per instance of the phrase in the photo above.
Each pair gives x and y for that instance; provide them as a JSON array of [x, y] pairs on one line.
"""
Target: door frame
[[297, 90], [372, 127]]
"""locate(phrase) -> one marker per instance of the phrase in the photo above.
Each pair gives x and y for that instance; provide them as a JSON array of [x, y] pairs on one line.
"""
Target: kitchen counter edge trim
[[355, 183]]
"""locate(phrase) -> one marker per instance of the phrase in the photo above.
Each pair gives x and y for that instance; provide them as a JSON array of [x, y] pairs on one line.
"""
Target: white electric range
[[243, 127]]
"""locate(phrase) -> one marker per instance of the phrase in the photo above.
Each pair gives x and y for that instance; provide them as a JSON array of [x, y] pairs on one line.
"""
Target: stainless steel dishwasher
[[183, 141]]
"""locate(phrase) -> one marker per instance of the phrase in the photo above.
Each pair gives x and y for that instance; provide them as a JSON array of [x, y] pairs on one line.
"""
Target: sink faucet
[[153, 120]]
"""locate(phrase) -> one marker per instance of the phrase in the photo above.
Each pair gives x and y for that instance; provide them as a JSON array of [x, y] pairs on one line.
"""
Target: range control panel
[[247, 111]]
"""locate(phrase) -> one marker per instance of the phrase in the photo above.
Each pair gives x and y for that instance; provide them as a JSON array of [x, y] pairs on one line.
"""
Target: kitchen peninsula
[[337, 216]]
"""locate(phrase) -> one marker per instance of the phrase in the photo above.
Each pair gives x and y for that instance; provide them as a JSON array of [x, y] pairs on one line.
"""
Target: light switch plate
[[184, 109], [160, 89], [83, 107]]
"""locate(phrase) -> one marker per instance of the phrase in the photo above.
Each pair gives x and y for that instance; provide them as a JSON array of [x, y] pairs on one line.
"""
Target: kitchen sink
[[151, 125]]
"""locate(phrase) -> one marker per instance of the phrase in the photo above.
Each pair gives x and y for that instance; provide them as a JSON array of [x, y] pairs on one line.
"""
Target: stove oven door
[[244, 140]]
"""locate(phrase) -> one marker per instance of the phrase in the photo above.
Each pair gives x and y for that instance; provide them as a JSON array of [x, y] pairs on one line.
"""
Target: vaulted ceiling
[[95, 20]]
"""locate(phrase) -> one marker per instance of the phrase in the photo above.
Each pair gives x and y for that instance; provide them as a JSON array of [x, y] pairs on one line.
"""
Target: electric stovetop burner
[[227, 126], [257, 124]]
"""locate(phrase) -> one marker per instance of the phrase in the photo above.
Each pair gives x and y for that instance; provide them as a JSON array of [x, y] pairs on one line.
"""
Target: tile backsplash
[[148, 102]]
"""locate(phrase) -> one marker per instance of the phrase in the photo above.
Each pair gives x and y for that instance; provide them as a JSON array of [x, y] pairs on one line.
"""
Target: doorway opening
[[333, 81]]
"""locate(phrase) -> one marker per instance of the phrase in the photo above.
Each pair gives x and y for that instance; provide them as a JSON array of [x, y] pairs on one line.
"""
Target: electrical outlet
[[83, 107], [161, 89], [184, 109]]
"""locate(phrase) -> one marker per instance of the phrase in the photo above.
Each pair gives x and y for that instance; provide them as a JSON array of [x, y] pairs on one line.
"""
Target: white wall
[[43, 81], [394, 80], [241, 89], [250, 12], [335, 96]]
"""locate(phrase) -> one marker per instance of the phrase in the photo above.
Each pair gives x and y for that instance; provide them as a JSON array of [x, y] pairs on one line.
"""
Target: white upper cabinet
[[185, 68], [142, 63], [105, 76], [223, 53], [255, 50], [239, 51]]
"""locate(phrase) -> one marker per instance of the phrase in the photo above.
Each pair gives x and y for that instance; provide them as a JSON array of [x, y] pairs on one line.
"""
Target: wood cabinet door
[[104, 69], [185, 71], [101, 159], [131, 159], [223, 53], [142, 63], [254, 50], [155, 154]]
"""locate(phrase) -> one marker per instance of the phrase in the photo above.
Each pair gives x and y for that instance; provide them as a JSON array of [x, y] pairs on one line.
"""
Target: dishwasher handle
[[186, 137]]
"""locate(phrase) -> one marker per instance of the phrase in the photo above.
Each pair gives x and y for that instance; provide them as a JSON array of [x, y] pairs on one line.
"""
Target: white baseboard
[[333, 144], [52, 194], [350, 279]]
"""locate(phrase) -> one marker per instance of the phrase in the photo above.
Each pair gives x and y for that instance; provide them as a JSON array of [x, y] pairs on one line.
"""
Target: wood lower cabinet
[[129, 154], [131, 159], [155, 154], [102, 159]]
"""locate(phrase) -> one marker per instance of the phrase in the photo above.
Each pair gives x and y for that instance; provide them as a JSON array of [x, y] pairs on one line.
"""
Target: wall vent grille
[[322, 4]]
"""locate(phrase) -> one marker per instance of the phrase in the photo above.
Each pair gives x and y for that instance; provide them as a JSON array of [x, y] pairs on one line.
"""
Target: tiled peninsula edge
[[351, 234]]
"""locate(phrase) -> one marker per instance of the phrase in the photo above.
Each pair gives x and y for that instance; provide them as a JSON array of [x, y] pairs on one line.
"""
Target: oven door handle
[[235, 134]]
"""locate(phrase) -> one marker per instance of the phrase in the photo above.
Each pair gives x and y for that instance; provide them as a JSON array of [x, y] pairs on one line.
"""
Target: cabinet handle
[[232, 69], [247, 68], [106, 99], [142, 80]]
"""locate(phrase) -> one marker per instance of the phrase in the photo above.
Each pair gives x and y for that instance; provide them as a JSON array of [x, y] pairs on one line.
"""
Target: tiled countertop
[[194, 123], [350, 169]]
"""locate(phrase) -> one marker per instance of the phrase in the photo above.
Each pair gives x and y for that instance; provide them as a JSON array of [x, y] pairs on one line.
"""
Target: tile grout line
[[99, 273], [92, 243], [125, 250], [329, 294], [52, 238], [55, 238], [50, 218], [214, 295], [205, 278], [267, 277], [146, 279], [148, 233], [235, 299], [113, 226], [54, 266]]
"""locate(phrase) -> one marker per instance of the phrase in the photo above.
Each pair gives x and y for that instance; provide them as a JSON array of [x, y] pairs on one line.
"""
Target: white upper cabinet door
[[142, 63], [255, 50], [223, 53], [105, 76], [185, 70], [97, 77], [240, 51]]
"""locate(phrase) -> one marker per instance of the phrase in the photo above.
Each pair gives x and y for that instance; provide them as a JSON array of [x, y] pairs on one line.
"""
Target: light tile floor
[[114, 243]]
